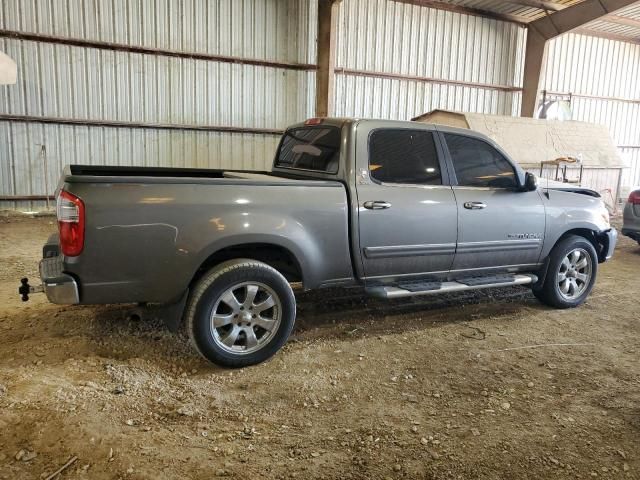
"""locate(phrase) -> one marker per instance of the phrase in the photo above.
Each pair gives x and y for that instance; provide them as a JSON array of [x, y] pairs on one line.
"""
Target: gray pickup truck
[[401, 208]]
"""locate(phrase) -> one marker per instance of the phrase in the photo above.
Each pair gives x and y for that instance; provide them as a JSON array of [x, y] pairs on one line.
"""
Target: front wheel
[[240, 313], [573, 265]]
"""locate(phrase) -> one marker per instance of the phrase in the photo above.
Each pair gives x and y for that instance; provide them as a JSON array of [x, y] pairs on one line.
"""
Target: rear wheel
[[572, 272], [240, 313]]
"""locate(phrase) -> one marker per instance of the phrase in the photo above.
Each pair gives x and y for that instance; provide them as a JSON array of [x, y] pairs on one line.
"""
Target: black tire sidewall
[[551, 291], [201, 324]]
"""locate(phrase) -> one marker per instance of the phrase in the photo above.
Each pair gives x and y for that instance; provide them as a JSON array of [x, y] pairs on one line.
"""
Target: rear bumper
[[59, 287], [631, 233], [52, 247]]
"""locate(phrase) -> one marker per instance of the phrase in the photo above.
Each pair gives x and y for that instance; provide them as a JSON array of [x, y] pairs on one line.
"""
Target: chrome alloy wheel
[[245, 317], [574, 274]]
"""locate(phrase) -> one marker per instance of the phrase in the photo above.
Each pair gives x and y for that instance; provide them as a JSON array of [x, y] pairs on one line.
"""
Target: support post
[[326, 48], [533, 62]]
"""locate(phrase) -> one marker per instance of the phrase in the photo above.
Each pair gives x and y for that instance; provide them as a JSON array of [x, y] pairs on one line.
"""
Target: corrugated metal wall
[[602, 76], [453, 61], [262, 29], [394, 60], [101, 84]]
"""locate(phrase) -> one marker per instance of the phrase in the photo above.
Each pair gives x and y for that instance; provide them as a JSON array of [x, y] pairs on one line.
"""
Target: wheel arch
[[271, 251], [273, 254], [597, 239], [591, 235]]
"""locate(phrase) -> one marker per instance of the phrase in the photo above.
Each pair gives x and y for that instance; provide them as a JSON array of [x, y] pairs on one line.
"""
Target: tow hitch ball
[[25, 289]]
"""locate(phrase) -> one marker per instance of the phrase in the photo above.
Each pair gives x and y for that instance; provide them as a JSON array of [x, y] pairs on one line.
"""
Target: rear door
[[500, 227], [407, 213]]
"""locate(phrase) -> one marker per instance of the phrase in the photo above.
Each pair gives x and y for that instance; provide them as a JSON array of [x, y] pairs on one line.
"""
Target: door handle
[[376, 205], [475, 205]]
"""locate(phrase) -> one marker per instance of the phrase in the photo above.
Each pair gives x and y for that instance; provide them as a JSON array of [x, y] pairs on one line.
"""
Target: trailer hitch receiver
[[25, 289]]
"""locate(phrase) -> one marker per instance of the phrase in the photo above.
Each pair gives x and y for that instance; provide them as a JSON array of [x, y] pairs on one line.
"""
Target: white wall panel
[[23, 166], [622, 118], [277, 30], [84, 83], [399, 99], [456, 61], [601, 75], [596, 66], [398, 38]]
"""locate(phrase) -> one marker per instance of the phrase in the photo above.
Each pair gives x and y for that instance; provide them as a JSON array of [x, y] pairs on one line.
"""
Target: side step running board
[[470, 283]]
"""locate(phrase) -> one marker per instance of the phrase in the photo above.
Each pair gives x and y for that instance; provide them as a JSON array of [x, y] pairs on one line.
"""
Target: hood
[[566, 187]]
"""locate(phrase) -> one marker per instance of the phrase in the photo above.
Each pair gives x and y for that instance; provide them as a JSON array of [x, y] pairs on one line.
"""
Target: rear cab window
[[314, 149]]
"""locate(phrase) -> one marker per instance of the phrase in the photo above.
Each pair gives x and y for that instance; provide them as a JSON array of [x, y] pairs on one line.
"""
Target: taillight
[[70, 213], [634, 198]]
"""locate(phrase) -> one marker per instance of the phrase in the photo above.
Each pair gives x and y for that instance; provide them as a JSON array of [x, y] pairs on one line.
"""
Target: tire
[[234, 299], [565, 273]]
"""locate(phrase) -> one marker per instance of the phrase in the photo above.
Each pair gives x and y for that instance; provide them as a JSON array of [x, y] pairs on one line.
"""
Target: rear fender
[[270, 229]]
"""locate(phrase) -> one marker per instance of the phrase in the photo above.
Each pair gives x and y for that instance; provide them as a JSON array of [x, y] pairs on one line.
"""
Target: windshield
[[310, 148]]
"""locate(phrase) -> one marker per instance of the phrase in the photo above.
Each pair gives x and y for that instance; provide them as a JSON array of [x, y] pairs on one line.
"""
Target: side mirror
[[530, 182]]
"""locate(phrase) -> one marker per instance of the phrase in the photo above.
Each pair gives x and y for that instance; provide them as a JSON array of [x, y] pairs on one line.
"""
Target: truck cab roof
[[349, 127]]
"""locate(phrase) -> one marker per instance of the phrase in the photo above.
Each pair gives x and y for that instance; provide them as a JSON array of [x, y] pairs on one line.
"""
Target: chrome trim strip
[[499, 245], [482, 189], [418, 274], [501, 266], [409, 250], [337, 282], [412, 185]]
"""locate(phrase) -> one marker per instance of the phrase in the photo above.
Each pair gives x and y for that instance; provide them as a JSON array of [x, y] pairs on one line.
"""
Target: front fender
[[568, 212]]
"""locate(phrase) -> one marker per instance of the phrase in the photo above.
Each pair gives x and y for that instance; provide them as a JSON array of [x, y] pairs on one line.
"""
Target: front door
[[407, 212], [500, 227]]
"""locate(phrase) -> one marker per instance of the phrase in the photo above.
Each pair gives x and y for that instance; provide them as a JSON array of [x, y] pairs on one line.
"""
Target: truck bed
[[149, 230]]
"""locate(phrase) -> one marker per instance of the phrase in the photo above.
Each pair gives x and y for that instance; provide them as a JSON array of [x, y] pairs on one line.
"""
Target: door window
[[478, 164], [404, 156]]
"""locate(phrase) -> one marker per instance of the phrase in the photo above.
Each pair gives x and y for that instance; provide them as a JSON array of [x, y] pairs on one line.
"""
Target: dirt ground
[[463, 386]]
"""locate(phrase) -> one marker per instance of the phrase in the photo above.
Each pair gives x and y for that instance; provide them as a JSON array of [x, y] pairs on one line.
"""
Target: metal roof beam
[[608, 35], [618, 20], [478, 12], [541, 5], [551, 26], [565, 20]]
